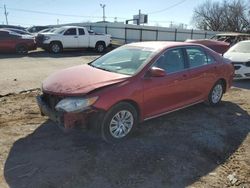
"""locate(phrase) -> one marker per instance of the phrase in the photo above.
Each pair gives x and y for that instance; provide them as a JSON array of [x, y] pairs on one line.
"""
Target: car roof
[[158, 45]]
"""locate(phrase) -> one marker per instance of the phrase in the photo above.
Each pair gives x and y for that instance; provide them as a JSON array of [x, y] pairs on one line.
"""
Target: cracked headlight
[[75, 104]]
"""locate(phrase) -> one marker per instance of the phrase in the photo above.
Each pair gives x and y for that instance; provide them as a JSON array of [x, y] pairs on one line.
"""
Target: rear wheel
[[100, 47], [216, 94], [21, 49], [55, 47], [119, 122]]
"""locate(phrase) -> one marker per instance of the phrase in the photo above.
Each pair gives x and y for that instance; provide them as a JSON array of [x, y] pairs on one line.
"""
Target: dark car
[[36, 29], [134, 83], [12, 26], [13, 42], [19, 31]]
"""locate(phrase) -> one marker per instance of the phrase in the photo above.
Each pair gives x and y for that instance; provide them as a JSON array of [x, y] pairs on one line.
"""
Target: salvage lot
[[199, 146]]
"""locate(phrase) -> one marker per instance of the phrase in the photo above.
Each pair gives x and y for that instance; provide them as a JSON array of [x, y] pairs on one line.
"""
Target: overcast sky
[[43, 12]]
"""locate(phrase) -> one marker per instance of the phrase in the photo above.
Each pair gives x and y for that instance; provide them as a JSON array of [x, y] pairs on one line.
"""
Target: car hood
[[80, 80], [237, 57]]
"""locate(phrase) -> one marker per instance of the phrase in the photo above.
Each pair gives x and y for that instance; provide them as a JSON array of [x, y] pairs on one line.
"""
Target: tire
[[55, 47], [100, 47], [21, 49], [115, 130], [216, 94]]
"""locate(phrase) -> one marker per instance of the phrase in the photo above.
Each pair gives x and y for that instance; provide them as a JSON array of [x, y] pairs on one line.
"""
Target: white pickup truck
[[72, 37]]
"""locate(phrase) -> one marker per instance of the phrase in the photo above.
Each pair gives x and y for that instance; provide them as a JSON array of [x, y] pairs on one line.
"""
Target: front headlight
[[75, 104]]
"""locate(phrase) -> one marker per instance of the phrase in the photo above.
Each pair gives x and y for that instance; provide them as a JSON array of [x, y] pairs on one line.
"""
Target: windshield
[[58, 30], [125, 60], [241, 47]]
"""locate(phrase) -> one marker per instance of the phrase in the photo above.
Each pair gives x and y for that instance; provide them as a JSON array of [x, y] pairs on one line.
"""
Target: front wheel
[[21, 49], [100, 47], [119, 122], [55, 47], [216, 94]]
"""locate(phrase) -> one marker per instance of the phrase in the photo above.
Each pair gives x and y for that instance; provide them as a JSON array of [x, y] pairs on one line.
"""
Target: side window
[[210, 59], [81, 31], [171, 61], [71, 31], [196, 57]]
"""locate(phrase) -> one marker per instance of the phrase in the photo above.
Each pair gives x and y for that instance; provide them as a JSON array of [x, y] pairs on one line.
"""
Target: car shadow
[[244, 84], [171, 151]]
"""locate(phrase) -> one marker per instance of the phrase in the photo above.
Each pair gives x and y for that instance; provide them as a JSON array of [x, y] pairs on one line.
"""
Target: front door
[[163, 94], [70, 38]]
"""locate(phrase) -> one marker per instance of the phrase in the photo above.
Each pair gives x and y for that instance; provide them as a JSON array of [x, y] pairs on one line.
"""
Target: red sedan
[[134, 83], [13, 42]]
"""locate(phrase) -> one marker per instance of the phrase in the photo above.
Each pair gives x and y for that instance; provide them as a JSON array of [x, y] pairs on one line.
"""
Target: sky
[[47, 12]]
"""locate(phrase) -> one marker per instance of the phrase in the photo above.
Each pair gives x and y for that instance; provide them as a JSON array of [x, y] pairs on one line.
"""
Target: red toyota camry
[[134, 83]]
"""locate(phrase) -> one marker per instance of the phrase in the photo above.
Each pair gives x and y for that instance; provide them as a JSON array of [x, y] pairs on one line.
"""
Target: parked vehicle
[[18, 31], [13, 42], [133, 83], [12, 26], [231, 38], [36, 29], [72, 37], [218, 46], [223, 41], [239, 54]]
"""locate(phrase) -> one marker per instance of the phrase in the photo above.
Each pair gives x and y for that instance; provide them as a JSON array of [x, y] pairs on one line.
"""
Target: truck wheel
[[55, 47], [119, 122], [21, 49], [100, 47]]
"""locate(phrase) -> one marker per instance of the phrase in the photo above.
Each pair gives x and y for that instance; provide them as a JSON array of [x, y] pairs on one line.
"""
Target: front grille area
[[39, 39], [237, 76], [241, 63], [51, 100], [236, 67], [247, 64], [247, 74]]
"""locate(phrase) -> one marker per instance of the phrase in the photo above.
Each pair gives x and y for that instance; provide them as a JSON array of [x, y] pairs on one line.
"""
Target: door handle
[[75, 36]]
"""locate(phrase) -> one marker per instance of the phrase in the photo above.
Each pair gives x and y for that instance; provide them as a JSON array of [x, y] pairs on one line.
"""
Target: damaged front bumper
[[63, 119]]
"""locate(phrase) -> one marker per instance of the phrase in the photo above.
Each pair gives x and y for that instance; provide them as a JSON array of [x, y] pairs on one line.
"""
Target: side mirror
[[156, 72]]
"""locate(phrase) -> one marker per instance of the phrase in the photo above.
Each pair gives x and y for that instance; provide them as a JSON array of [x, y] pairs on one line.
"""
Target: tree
[[226, 16]]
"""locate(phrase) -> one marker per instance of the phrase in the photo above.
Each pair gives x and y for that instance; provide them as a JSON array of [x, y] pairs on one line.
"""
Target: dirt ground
[[200, 146]]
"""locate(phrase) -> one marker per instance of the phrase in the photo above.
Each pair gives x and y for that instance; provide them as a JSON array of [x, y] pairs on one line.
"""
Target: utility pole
[[139, 21], [6, 15], [103, 11], [57, 21]]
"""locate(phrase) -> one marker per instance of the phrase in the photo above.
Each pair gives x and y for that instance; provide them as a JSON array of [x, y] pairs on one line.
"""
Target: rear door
[[83, 38], [70, 38], [202, 71], [162, 94]]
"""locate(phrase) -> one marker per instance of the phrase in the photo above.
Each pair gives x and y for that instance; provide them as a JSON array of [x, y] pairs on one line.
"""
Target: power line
[[172, 6], [54, 14]]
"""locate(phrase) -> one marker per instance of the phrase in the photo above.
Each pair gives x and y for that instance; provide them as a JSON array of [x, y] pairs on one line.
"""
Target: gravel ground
[[22, 73], [199, 146]]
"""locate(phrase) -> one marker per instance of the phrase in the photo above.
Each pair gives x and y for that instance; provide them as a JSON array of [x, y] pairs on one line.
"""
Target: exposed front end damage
[[66, 120]]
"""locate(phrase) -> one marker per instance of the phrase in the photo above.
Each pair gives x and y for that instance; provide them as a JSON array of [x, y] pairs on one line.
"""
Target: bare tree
[[227, 16]]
